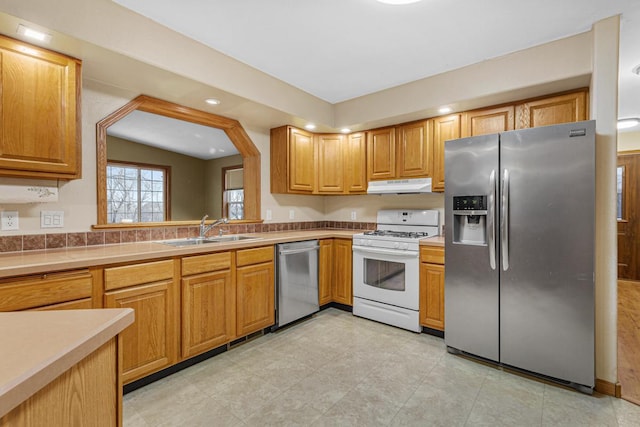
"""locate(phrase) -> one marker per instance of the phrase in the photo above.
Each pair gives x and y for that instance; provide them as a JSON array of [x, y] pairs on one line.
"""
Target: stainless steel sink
[[232, 238], [191, 241]]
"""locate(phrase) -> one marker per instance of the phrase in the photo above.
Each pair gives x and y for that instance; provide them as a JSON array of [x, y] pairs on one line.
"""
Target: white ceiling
[[166, 133], [341, 49]]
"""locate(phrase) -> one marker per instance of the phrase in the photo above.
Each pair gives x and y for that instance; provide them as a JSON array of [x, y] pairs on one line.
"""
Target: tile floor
[[339, 370]]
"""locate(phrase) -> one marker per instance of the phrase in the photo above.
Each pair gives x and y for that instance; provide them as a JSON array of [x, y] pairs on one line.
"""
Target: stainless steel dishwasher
[[297, 281]]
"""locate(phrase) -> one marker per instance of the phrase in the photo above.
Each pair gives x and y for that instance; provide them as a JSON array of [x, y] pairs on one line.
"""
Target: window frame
[[225, 203], [149, 166]]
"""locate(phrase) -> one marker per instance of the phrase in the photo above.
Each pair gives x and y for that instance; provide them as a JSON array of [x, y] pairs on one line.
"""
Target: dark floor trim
[[434, 332], [172, 369]]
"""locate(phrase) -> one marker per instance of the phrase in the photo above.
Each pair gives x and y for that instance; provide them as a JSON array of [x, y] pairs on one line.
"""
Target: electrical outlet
[[269, 215], [51, 219], [353, 215], [9, 220], [292, 214]]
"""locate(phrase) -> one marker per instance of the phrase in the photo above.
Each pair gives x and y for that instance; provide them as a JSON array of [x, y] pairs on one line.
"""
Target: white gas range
[[386, 283]]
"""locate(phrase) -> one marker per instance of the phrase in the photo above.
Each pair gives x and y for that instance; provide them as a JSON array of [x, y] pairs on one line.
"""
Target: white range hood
[[400, 186]]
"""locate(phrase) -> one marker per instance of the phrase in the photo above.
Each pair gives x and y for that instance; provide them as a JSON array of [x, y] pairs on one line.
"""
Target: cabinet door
[[325, 271], [255, 298], [301, 161], [343, 272], [415, 153], [381, 154], [208, 312], [151, 342], [571, 107], [484, 122], [355, 160], [330, 163], [39, 126], [432, 296], [444, 129]]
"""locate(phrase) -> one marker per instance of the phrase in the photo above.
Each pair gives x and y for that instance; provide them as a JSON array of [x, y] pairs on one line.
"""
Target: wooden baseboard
[[608, 388]]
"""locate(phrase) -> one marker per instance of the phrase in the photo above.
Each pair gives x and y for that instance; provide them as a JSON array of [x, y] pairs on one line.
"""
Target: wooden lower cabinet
[[343, 272], [432, 288], [255, 293], [85, 395], [151, 342], [208, 311], [335, 283], [325, 271]]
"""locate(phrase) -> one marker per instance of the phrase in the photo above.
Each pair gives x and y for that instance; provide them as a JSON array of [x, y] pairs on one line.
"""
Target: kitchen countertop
[[48, 260], [39, 346], [433, 241]]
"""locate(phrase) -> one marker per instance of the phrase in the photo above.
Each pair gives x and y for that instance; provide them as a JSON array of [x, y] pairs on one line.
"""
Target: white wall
[[628, 141], [604, 108]]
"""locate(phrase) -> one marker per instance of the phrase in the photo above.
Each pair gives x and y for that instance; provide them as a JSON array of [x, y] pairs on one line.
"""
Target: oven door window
[[382, 274]]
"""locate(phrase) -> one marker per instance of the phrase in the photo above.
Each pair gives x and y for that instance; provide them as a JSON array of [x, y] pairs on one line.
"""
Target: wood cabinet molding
[[233, 129]]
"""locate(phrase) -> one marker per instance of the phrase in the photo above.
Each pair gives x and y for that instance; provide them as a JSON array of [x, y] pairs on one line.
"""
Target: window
[[136, 192], [233, 194]]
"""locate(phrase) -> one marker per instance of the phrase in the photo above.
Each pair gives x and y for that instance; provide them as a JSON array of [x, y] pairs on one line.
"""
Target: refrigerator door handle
[[504, 221], [491, 219]]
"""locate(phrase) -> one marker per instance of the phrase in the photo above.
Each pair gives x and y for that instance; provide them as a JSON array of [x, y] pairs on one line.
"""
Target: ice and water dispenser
[[470, 220]]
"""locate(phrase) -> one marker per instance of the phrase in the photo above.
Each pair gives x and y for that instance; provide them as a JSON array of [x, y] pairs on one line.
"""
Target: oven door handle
[[382, 251]]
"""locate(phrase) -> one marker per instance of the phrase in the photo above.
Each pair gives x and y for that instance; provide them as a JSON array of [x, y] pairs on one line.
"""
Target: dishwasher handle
[[298, 251]]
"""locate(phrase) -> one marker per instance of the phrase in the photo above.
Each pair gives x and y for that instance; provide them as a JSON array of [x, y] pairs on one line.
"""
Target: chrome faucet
[[205, 228]]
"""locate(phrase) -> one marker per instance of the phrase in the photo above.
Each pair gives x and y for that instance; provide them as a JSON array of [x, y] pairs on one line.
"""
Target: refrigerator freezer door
[[547, 291], [471, 284]]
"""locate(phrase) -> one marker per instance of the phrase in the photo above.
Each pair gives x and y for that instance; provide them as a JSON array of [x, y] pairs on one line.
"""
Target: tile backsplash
[[31, 242]]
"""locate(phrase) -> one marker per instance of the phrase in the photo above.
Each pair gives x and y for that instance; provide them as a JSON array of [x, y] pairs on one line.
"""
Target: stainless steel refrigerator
[[519, 249]]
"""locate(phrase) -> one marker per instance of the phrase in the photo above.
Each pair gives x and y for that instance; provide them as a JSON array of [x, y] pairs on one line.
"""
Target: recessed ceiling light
[[33, 34], [212, 101], [444, 110], [628, 123], [398, 1], [310, 126], [345, 130]]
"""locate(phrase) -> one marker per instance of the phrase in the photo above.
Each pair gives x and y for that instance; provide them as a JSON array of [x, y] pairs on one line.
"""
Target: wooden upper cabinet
[[355, 160], [487, 121], [381, 154], [444, 129], [330, 163], [40, 114], [292, 161], [566, 108], [415, 152]]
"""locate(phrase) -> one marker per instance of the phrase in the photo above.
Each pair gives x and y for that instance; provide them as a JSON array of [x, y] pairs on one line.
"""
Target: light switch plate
[[292, 214], [353, 215], [51, 219], [9, 220]]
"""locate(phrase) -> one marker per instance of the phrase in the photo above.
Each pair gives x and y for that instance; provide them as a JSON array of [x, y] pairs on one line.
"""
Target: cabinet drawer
[[129, 275], [203, 263], [433, 254], [254, 256], [45, 289]]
